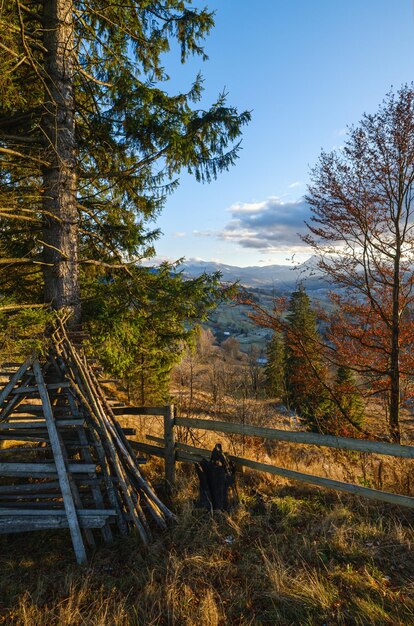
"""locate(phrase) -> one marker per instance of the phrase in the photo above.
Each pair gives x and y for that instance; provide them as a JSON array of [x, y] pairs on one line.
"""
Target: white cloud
[[246, 207], [271, 225]]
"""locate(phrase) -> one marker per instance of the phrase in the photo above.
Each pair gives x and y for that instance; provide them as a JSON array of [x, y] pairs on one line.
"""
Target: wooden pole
[[330, 441], [61, 468], [14, 379], [169, 446]]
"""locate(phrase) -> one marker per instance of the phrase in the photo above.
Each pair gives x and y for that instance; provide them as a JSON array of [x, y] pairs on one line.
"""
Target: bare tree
[[362, 233]]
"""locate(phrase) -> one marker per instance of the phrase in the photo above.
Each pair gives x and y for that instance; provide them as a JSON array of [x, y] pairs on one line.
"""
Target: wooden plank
[[61, 467], [17, 424], [158, 439], [18, 436], [191, 454], [139, 410], [49, 496], [29, 520], [29, 408], [75, 491], [144, 447], [28, 487], [14, 379], [34, 389], [169, 446], [342, 443], [129, 431], [12, 525], [23, 450], [36, 512], [29, 469]]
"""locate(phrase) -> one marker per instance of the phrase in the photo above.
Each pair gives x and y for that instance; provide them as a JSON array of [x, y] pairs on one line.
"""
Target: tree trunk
[[395, 394], [60, 230]]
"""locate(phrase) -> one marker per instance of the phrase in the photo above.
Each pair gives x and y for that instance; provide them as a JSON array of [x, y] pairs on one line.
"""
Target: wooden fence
[[173, 451]]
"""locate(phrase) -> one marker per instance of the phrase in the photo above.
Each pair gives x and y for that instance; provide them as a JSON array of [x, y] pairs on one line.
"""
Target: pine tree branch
[[15, 261], [92, 78], [119, 266], [18, 138], [23, 156], [18, 307], [15, 54], [23, 218]]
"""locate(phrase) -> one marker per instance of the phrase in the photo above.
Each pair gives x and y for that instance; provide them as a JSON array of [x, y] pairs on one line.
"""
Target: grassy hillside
[[286, 555]]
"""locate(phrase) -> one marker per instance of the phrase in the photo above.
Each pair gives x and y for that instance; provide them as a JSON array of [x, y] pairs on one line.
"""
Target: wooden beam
[[36, 469], [14, 525], [61, 468], [169, 446], [34, 389], [272, 434], [14, 521], [191, 454], [28, 487], [139, 410], [60, 423], [144, 447], [4, 512]]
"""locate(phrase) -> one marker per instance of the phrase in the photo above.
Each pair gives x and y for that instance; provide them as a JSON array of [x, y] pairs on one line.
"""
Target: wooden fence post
[[170, 452]]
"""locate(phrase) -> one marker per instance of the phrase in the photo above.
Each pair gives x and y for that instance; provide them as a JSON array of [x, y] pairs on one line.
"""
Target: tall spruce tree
[[304, 370], [91, 143]]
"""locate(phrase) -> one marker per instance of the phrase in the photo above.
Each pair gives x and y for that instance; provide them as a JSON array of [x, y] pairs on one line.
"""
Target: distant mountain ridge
[[280, 277]]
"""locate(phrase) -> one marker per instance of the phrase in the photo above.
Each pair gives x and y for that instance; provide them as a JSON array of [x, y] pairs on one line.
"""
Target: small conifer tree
[[304, 369]]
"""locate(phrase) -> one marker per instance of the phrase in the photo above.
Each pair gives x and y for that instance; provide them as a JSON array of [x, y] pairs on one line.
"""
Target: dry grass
[[287, 555]]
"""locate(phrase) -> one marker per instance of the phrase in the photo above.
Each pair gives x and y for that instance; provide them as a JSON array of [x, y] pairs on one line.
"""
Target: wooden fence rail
[[342, 443], [173, 451]]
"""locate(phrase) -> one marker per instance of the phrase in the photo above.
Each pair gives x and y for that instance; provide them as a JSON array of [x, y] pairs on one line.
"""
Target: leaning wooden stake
[[169, 446], [61, 469], [14, 379]]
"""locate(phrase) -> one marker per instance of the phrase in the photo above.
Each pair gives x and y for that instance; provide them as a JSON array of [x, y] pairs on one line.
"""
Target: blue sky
[[306, 69]]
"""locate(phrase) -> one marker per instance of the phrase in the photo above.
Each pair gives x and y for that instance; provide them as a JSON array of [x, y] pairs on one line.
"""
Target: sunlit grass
[[286, 555]]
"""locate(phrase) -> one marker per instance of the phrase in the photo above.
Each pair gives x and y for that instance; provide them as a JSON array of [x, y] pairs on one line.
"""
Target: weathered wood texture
[[83, 473], [61, 468], [140, 410], [273, 434], [169, 446], [191, 454]]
